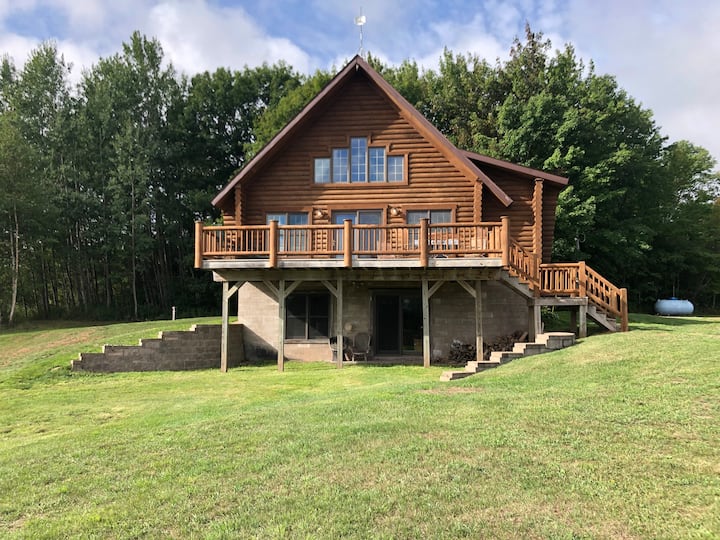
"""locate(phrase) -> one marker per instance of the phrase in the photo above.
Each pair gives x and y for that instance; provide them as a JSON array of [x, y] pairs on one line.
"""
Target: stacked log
[[465, 352]]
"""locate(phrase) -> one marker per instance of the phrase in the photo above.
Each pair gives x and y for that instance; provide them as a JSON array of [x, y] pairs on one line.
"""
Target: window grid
[[395, 168], [307, 316], [359, 164], [377, 165], [340, 165], [322, 170], [358, 159]]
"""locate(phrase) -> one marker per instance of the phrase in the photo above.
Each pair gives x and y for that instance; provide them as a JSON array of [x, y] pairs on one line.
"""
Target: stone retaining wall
[[197, 348]]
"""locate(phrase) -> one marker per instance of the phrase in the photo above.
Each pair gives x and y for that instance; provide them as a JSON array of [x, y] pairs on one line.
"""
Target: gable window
[[358, 159], [395, 168], [307, 315], [360, 163], [377, 164], [340, 165], [322, 170]]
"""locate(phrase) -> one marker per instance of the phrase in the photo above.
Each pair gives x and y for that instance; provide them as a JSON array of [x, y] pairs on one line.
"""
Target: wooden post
[[426, 321], [623, 310], [273, 243], [347, 243], [198, 244], [536, 326], [537, 206], [582, 279], [423, 240], [505, 239], [225, 329], [479, 341], [281, 316], [339, 324], [582, 316]]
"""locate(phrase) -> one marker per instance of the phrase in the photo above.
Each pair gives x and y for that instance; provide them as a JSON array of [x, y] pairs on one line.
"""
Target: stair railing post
[[623, 310], [505, 239], [582, 279], [198, 244]]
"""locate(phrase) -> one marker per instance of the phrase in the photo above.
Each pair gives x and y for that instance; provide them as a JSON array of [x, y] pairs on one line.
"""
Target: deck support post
[[281, 329], [535, 316], [582, 315], [225, 329], [479, 341], [340, 356], [426, 321], [227, 293]]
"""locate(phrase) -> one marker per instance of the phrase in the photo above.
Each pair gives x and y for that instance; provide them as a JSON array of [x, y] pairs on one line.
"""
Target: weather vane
[[360, 21]]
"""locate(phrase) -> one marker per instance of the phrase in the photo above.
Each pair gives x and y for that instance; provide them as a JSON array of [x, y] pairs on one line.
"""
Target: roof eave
[[535, 173]]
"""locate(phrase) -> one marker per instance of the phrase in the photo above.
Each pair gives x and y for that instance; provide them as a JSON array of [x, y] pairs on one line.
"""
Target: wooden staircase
[[525, 274]]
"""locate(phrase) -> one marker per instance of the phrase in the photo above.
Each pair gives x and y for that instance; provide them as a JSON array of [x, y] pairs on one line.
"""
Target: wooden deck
[[485, 245]]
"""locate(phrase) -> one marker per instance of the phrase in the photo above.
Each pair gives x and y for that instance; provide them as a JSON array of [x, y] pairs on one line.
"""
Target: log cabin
[[359, 218]]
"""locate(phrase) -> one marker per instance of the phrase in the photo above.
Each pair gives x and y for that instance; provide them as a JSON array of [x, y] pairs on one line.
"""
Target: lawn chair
[[347, 349], [361, 347]]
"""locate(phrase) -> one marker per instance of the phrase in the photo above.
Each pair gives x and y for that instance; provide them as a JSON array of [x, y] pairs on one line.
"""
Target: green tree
[[21, 204]]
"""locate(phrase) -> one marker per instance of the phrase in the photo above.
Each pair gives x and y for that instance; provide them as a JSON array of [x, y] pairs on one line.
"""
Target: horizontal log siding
[[286, 184], [550, 198], [520, 190]]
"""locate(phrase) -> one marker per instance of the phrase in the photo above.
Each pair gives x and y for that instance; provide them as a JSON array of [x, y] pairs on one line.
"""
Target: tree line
[[100, 183]]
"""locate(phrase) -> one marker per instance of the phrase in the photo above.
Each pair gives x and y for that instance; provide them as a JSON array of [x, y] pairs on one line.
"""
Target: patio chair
[[347, 349], [361, 346]]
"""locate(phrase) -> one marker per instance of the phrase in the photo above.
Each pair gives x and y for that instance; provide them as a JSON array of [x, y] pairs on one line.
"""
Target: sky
[[664, 53]]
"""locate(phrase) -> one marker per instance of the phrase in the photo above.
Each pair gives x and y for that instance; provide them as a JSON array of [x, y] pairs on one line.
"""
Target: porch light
[[395, 211], [319, 213]]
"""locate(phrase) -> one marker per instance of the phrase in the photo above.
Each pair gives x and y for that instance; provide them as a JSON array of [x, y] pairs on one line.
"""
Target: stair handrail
[[523, 264], [604, 294]]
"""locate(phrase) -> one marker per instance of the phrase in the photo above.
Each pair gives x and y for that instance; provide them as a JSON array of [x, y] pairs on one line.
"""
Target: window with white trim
[[360, 163]]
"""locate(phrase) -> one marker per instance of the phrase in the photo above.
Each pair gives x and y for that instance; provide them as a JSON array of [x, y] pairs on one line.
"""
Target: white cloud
[[664, 53], [196, 37]]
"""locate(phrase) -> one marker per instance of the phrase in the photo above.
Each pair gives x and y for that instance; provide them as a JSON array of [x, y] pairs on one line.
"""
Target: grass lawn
[[616, 437]]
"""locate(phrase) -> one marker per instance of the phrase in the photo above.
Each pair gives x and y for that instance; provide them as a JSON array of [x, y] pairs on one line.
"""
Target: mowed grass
[[616, 437]]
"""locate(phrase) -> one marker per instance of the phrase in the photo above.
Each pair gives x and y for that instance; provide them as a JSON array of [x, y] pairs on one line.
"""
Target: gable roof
[[466, 162]]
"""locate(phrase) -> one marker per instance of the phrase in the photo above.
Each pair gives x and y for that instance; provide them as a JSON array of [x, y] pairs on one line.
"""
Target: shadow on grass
[[638, 322]]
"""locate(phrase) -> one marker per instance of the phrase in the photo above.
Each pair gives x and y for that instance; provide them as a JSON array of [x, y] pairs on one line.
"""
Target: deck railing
[[579, 280], [423, 241], [348, 240]]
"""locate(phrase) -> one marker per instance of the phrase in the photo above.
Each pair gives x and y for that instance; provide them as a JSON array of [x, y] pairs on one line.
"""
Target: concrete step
[[503, 357], [556, 340], [475, 366], [454, 375], [528, 349], [547, 342]]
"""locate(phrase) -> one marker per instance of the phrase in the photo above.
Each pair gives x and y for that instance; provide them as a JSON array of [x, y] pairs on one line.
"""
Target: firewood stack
[[465, 352]]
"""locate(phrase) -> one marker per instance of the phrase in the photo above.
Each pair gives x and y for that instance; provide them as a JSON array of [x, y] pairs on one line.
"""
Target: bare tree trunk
[[15, 258], [132, 243]]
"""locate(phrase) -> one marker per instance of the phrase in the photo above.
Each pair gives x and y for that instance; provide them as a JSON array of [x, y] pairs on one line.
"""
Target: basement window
[[307, 316]]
